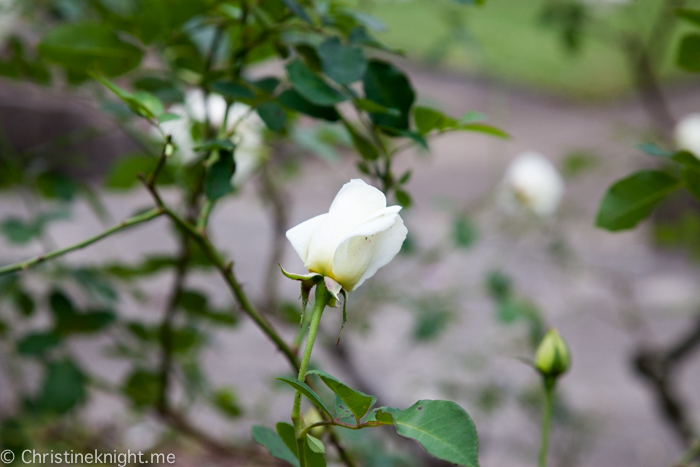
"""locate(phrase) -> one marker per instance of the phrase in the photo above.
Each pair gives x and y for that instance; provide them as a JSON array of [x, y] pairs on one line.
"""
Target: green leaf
[[286, 432], [142, 103], [653, 150], [464, 231], [38, 344], [295, 8], [632, 199], [367, 150], [428, 119], [689, 53], [124, 173], [403, 198], [307, 391], [358, 402], [372, 107], [342, 411], [168, 117], [690, 15], [216, 144], [273, 115], [443, 428], [296, 102], [18, 231], [217, 182], [314, 459], [56, 185], [89, 46], [484, 128], [315, 444], [389, 87], [312, 86], [143, 388], [270, 440], [63, 387], [225, 400], [342, 63], [232, 90], [691, 179]]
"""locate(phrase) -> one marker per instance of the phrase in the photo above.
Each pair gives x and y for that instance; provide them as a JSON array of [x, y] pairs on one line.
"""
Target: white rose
[[688, 134], [9, 15], [250, 148], [357, 236], [532, 183]]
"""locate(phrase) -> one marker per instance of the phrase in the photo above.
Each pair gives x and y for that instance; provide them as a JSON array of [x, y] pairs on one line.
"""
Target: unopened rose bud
[[688, 134], [552, 357], [313, 416], [533, 184]]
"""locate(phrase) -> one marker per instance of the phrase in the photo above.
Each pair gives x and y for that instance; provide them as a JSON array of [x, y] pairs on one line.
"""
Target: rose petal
[[359, 257], [301, 236]]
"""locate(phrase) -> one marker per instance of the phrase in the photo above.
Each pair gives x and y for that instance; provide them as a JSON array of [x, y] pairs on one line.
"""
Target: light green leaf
[[79, 47], [443, 428], [315, 444], [277, 448], [372, 107], [307, 391], [358, 402], [312, 86], [632, 199]]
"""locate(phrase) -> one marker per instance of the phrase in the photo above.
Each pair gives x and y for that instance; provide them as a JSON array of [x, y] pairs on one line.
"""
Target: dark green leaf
[[273, 115], [367, 150], [217, 182], [403, 198], [688, 14], [295, 8], [358, 402], [691, 179], [63, 387], [295, 101], [307, 391], [389, 86], [286, 432], [464, 231], [24, 302], [689, 53], [56, 185], [632, 199], [270, 440], [143, 388], [225, 400], [443, 428], [89, 46], [38, 343], [233, 91], [18, 231], [342, 63], [312, 86]]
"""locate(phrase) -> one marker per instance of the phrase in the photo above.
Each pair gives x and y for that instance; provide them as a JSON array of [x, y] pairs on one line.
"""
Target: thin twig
[[146, 216]]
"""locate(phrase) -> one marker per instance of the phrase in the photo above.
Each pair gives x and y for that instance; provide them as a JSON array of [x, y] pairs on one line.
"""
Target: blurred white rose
[[533, 184], [688, 134], [9, 13], [357, 236], [250, 148]]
